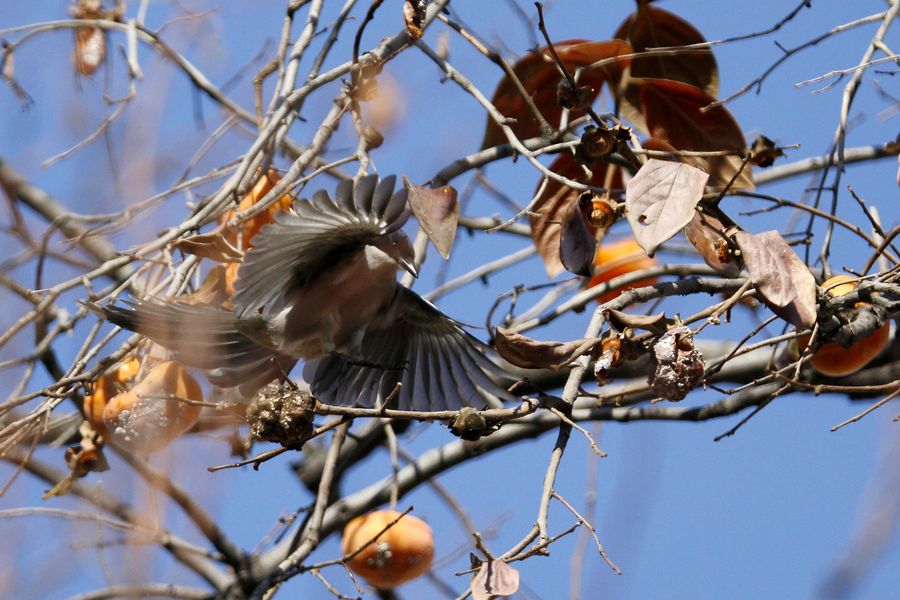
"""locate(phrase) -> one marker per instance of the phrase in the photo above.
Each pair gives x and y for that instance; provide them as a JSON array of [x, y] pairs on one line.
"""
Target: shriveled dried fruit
[[676, 364], [282, 414], [398, 555]]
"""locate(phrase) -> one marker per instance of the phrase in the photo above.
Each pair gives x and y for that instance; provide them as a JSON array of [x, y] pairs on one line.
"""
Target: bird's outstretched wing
[[206, 337], [299, 246], [440, 366]]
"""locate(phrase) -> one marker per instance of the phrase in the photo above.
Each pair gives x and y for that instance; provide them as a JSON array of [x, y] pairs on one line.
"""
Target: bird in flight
[[320, 285]]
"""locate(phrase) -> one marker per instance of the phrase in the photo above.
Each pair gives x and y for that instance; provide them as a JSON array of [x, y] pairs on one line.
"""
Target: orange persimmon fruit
[[141, 420], [835, 360], [105, 387], [619, 258], [252, 226], [398, 555]]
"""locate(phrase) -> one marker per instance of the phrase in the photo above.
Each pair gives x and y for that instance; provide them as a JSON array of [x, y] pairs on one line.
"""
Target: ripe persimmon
[[398, 555], [619, 258], [252, 226], [143, 421], [104, 388], [835, 360]]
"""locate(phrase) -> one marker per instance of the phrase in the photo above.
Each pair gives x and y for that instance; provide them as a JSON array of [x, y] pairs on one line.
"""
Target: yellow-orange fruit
[[619, 258], [252, 226], [398, 555], [835, 360], [142, 421], [105, 387]]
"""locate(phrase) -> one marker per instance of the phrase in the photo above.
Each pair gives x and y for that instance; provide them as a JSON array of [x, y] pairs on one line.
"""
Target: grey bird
[[320, 285]]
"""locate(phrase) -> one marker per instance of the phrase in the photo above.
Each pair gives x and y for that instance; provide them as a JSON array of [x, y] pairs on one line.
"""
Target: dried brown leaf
[[212, 245], [577, 244], [660, 200], [783, 281], [213, 291], [621, 321], [437, 210], [550, 208], [494, 578], [528, 353]]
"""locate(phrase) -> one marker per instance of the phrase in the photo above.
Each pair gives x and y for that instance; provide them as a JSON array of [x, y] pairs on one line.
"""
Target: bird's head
[[397, 246]]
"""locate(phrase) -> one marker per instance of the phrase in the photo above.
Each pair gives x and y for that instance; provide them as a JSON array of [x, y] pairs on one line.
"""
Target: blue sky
[[763, 514]]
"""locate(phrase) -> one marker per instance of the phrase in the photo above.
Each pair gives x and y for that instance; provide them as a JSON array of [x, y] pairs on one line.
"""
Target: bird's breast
[[330, 313]]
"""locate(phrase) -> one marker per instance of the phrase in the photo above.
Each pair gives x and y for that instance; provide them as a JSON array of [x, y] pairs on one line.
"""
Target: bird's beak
[[408, 266]]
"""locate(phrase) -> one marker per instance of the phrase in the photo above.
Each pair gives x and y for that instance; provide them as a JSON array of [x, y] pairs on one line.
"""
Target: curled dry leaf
[[676, 366], [494, 578], [528, 353], [706, 232], [675, 113], [781, 278], [651, 27], [540, 78], [551, 206], [213, 245], [437, 210], [577, 244], [621, 321], [660, 200], [213, 291]]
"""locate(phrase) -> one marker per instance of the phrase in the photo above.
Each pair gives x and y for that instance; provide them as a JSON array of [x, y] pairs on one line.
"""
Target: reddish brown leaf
[[706, 233], [660, 200], [437, 210], [540, 77], [673, 113], [651, 27], [781, 278], [527, 353], [577, 244], [494, 578], [551, 206], [212, 245]]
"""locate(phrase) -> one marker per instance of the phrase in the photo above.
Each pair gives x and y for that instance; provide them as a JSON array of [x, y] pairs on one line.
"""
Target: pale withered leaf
[[494, 578], [782, 279], [660, 200]]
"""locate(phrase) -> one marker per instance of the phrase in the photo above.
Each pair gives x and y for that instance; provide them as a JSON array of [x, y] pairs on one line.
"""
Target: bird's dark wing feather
[[206, 337], [440, 366], [299, 246]]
